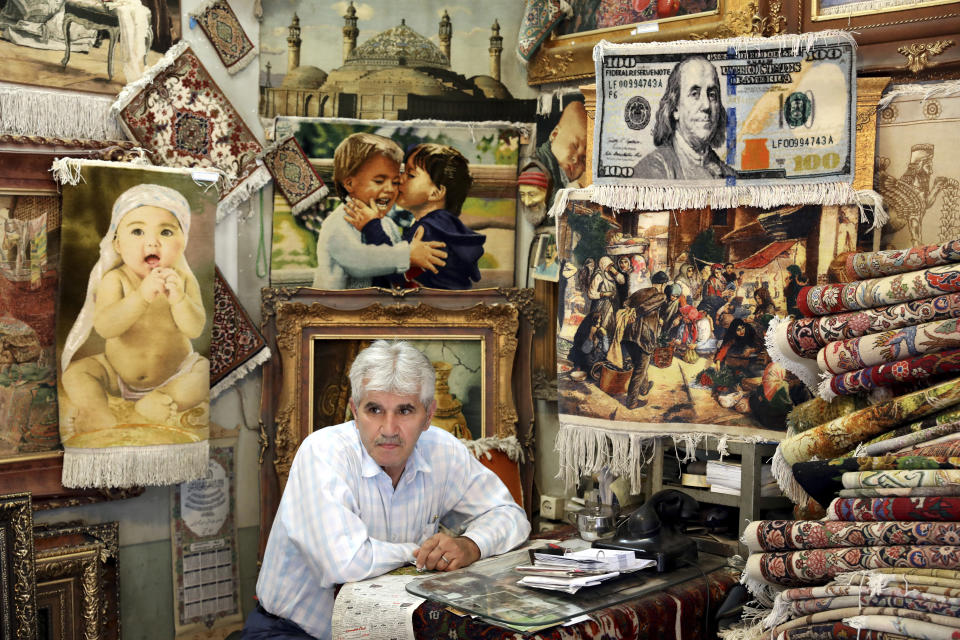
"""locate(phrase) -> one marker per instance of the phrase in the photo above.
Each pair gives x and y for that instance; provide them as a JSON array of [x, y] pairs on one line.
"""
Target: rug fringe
[[824, 389], [130, 91], [745, 630], [313, 199], [67, 171], [240, 372], [775, 340], [796, 42], [783, 474], [868, 197], [764, 592], [925, 91], [243, 62], [483, 446], [123, 467], [665, 198], [32, 111], [242, 192]]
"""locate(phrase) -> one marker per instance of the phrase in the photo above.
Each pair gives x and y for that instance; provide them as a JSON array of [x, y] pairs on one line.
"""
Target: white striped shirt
[[340, 519]]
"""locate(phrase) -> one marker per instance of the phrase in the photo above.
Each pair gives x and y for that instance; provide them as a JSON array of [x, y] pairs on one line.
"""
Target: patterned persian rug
[[293, 175], [236, 347], [183, 119], [225, 33]]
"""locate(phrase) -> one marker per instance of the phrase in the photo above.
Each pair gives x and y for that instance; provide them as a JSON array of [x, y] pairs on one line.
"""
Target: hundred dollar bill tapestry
[[663, 318], [728, 113]]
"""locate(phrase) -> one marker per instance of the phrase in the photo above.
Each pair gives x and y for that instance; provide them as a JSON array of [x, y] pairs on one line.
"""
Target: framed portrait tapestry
[[567, 54], [17, 585], [478, 341], [31, 456], [912, 38]]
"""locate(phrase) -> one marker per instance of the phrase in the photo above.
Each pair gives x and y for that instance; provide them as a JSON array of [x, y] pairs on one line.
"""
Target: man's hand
[[441, 552], [426, 255]]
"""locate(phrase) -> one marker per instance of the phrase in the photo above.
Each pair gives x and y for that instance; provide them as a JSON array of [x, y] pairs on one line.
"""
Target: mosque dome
[[304, 77], [399, 46], [490, 87]]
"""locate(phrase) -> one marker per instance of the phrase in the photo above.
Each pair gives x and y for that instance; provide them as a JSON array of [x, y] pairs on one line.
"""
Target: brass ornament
[[919, 54], [550, 65], [16, 520]]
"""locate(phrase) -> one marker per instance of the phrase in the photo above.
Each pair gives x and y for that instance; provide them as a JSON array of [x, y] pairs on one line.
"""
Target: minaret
[[293, 44], [350, 31], [268, 73], [496, 46], [446, 30]]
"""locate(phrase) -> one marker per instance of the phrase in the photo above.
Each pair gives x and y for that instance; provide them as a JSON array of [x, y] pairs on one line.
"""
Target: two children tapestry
[[412, 204], [133, 332], [663, 318]]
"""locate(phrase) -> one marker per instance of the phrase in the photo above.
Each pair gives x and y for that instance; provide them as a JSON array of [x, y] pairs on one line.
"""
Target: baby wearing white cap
[[144, 300]]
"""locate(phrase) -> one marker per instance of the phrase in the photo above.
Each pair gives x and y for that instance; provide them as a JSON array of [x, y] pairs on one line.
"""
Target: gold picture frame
[[570, 57], [77, 577], [17, 584], [296, 319]]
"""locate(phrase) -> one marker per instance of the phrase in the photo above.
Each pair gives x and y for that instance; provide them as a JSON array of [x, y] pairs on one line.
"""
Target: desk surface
[[489, 589]]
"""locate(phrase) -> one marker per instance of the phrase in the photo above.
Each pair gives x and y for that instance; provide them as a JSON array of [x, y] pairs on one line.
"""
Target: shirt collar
[[369, 467]]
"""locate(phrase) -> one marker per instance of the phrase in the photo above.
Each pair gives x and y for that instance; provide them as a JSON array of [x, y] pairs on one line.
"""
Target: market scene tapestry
[[395, 63], [134, 324], [917, 132], [420, 204], [664, 314], [109, 44]]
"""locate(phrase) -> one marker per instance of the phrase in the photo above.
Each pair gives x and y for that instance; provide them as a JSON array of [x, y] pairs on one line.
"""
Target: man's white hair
[[394, 367]]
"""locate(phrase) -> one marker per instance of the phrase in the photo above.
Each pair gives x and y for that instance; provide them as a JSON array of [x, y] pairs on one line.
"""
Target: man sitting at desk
[[368, 495]]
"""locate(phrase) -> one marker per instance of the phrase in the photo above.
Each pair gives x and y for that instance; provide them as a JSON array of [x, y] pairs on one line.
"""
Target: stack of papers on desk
[[573, 571]]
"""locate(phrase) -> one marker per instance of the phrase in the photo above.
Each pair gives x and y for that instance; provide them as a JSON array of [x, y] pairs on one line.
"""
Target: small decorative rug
[[788, 535], [842, 434], [225, 33], [895, 492], [236, 347], [901, 478], [539, 19], [891, 373], [934, 508], [183, 119], [875, 264], [133, 328], [897, 621], [819, 566], [911, 435], [889, 346], [823, 479], [293, 175], [821, 300]]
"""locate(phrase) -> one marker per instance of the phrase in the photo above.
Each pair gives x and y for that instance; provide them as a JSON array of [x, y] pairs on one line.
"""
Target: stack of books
[[573, 571], [724, 477]]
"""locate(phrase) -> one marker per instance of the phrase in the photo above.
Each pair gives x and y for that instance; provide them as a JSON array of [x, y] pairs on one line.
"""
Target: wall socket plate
[[551, 507]]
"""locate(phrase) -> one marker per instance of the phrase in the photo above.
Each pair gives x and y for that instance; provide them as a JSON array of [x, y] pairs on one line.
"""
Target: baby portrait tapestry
[[417, 204], [663, 319], [917, 131], [133, 332]]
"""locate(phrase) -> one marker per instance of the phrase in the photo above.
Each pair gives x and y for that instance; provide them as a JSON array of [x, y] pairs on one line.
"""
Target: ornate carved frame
[[916, 41], [17, 582], [25, 170], [78, 577], [501, 318], [570, 57]]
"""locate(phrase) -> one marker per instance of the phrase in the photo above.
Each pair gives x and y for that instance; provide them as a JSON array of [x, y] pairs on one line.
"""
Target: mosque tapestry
[[917, 131], [110, 44], [663, 318], [449, 222], [435, 59]]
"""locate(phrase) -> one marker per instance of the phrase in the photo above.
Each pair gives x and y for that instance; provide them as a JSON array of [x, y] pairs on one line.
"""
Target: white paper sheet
[[375, 609]]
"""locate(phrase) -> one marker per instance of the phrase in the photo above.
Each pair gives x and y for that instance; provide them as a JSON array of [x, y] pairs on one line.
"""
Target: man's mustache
[[388, 440]]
